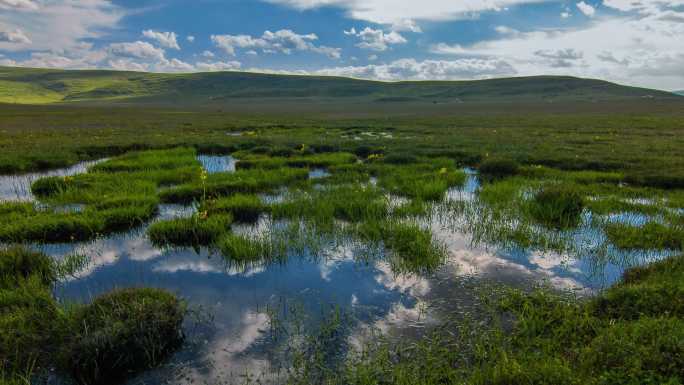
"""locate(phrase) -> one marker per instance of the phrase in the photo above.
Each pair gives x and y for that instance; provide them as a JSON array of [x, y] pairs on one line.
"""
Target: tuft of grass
[[499, 168], [121, 333], [241, 248], [17, 264], [650, 236], [243, 208], [242, 181], [413, 248], [557, 206], [195, 231]]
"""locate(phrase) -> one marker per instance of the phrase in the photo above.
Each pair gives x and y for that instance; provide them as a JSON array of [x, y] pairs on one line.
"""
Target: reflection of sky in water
[[318, 173], [18, 187], [217, 163], [238, 341]]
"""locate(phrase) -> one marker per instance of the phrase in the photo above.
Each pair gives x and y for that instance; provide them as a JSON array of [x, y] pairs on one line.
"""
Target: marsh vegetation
[[316, 257]]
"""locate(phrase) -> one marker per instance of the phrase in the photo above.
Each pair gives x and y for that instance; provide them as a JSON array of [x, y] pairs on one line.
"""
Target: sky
[[634, 42]]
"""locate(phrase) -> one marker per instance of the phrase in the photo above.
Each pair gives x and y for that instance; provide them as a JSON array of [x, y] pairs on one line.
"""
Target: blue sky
[[637, 42]]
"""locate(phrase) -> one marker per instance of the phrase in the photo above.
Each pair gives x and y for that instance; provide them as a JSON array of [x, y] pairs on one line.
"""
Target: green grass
[[243, 181], [243, 208], [242, 248], [121, 333], [651, 236], [557, 206], [299, 161], [499, 168], [195, 231]]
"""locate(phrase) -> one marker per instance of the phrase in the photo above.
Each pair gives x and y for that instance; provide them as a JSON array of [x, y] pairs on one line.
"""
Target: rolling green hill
[[43, 86]]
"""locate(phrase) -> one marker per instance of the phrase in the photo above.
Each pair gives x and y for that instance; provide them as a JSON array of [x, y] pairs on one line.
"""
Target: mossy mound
[[122, 333]]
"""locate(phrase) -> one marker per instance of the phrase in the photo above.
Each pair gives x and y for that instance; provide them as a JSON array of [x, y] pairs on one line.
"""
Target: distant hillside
[[679, 92], [42, 86]]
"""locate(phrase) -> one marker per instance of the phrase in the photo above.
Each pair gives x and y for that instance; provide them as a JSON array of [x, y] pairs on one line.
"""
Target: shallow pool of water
[[18, 187]]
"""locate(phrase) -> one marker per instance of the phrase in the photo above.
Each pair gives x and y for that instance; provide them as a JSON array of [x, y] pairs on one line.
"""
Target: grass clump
[[44, 225], [242, 181], [427, 181], [499, 168], [18, 264], [557, 206], [122, 333], [29, 317], [195, 231], [243, 207], [650, 236], [413, 248], [241, 248]]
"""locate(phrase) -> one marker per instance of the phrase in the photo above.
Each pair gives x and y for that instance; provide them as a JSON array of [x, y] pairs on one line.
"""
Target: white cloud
[[373, 57], [138, 50], [208, 54], [284, 41], [643, 6], [58, 25], [218, 66], [391, 11], [504, 30], [642, 50], [411, 69], [407, 25], [565, 15], [586, 9], [190, 39], [376, 39], [18, 4], [165, 39], [16, 36]]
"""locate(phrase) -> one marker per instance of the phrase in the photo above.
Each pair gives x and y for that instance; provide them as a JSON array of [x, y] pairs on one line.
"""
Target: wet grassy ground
[[313, 251]]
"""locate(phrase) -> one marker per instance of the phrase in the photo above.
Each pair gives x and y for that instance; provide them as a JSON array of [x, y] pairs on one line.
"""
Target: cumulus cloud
[[285, 41], [164, 39], [58, 25], [16, 36], [218, 66], [561, 57], [389, 12], [190, 39], [586, 9], [407, 25], [643, 49], [643, 6], [18, 4], [412, 69], [376, 39], [138, 49]]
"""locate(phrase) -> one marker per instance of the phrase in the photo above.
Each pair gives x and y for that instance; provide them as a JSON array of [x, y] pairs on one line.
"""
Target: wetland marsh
[[357, 253], [301, 264]]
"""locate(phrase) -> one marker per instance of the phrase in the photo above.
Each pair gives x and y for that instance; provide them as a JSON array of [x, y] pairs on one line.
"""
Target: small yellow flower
[[443, 170]]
